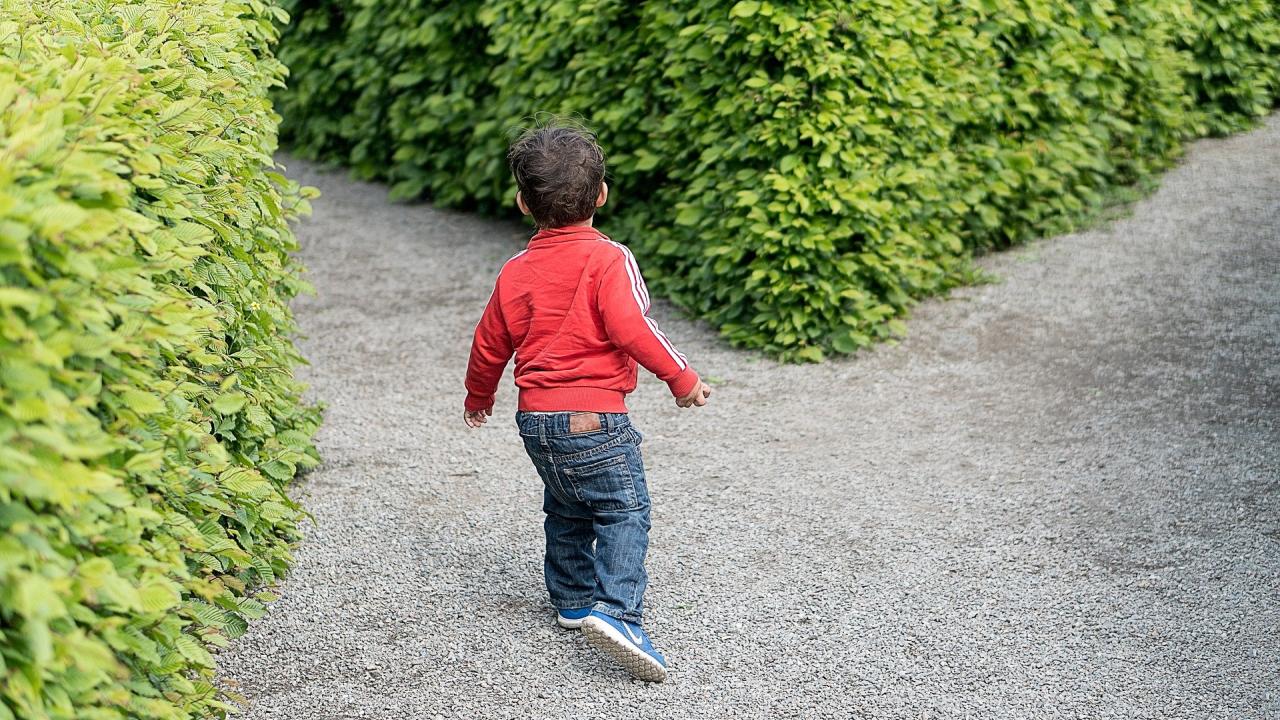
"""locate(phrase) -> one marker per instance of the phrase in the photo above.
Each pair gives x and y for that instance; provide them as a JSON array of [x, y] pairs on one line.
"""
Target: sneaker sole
[[609, 641], [568, 623]]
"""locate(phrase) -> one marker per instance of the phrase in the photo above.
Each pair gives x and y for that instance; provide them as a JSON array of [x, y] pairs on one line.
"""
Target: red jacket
[[573, 308]]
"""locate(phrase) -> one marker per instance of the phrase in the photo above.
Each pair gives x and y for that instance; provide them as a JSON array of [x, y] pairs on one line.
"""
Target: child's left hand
[[476, 418]]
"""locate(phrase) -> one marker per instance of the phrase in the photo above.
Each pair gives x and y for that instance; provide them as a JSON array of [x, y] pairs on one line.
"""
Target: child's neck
[[585, 223]]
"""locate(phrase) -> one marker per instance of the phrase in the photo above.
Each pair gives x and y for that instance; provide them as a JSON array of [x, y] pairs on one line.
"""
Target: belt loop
[[542, 430], [606, 419]]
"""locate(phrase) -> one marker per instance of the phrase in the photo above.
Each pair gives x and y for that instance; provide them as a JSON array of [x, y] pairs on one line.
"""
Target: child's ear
[[603, 197], [524, 209]]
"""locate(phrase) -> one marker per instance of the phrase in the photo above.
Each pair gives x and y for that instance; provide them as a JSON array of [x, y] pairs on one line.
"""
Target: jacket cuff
[[684, 383], [478, 402]]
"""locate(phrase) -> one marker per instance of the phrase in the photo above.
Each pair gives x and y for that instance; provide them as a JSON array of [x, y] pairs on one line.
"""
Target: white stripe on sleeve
[[637, 280], [641, 295], [671, 350]]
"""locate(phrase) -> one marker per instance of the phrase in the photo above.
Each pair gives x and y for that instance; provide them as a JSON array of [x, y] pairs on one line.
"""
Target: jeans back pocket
[[606, 485]]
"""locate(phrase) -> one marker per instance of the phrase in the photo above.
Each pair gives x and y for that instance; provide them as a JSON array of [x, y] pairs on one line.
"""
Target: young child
[[573, 308]]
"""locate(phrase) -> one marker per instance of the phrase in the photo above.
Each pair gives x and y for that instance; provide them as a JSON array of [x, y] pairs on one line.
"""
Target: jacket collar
[[566, 234]]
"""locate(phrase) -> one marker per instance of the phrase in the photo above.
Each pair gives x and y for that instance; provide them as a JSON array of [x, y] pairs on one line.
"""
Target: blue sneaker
[[572, 619], [627, 644]]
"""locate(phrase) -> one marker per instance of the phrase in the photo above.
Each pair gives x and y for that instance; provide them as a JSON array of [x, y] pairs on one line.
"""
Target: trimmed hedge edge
[[149, 418]]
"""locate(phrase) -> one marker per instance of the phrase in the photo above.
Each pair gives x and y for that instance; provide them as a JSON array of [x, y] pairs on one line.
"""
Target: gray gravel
[[1056, 499]]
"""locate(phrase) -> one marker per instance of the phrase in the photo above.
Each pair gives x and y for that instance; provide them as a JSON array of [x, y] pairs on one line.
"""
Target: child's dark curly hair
[[558, 169]]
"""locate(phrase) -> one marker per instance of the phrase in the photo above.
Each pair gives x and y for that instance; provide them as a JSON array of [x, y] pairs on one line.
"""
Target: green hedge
[[1236, 44], [149, 420], [799, 173]]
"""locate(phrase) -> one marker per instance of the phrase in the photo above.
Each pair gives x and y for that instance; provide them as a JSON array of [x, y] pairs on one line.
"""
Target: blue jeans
[[594, 494]]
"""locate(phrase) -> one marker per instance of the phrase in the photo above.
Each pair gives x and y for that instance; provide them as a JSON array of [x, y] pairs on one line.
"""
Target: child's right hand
[[698, 396], [476, 418]]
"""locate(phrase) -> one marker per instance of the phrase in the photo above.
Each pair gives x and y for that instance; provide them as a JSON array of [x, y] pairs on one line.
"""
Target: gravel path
[[1058, 498]]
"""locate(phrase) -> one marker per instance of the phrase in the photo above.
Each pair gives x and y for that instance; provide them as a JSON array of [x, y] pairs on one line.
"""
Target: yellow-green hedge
[[149, 419], [795, 172]]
